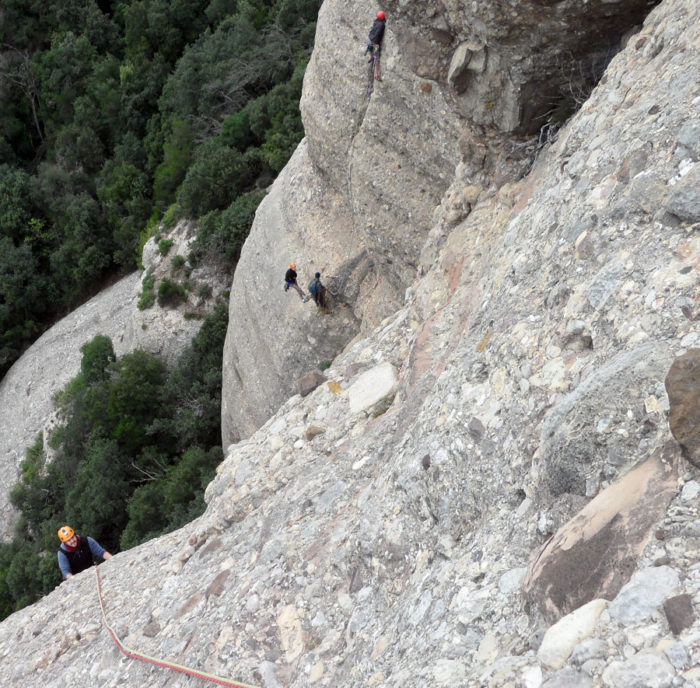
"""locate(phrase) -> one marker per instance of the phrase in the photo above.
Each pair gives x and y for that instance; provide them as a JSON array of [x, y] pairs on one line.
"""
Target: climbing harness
[[160, 662]]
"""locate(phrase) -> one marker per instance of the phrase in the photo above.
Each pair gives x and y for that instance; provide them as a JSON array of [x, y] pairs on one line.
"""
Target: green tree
[[98, 357], [214, 179], [176, 159], [222, 234], [135, 399], [146, 515], [96, 499]]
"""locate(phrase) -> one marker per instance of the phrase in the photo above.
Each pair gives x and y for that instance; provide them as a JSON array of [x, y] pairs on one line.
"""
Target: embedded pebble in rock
[[643, 669], [372, 387], [568, 678], [644, 595], [561, 638]]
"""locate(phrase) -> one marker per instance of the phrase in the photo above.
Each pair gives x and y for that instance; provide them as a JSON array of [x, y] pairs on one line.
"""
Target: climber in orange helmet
[[77, 551], [290, 280]]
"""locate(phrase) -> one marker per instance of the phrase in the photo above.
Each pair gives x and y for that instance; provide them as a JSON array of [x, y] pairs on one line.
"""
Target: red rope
[[159, 662]]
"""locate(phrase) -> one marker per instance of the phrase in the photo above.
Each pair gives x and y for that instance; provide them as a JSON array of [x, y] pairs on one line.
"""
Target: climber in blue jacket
[[77, 551]]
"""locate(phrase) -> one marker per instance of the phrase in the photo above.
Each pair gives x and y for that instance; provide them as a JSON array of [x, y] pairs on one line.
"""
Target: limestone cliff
[[485, 492]]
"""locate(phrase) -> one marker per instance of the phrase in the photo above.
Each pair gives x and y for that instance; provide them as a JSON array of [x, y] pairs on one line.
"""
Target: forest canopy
[[112, 113]]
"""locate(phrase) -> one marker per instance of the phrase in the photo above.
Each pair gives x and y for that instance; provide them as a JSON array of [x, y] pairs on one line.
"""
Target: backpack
[[313, 285]]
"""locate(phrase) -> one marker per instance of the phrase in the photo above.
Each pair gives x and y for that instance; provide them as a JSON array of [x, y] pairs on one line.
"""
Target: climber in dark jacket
[[374, 46], [318, 290], [290, 280], [76, 552]]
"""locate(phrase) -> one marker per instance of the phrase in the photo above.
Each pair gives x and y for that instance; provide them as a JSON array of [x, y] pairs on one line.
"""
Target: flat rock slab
[[376, 385], [594, 554]]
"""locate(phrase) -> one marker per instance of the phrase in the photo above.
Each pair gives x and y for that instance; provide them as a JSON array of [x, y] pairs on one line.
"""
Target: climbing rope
[[160, 662]]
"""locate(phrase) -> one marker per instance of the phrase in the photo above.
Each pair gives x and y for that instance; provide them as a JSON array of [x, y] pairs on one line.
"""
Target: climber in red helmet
[[374, 46]]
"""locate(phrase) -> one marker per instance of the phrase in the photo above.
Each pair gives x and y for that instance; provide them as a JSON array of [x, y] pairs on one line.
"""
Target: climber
[[290, 280], [76, 552], [318, 291], [374, 46]]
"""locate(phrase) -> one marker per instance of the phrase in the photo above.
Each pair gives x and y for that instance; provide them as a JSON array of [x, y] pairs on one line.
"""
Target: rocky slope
[[485, 490]]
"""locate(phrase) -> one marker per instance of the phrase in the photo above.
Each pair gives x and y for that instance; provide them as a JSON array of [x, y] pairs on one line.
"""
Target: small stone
[[646, 669], [568, 678], [677, 655], [679, 613], [308, 382], [335, 387], [151, 630], [690, 491], [316, 672], [313, 431]]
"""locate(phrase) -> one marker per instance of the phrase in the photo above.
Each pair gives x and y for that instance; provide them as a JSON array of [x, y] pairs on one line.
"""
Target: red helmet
[[381, 15]]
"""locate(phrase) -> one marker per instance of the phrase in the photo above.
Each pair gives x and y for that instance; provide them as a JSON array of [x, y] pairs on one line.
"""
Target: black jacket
[[376, 33], [290, 276], [81, 558]]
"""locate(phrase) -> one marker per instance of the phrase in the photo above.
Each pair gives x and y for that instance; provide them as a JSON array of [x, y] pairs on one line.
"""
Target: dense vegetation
[[135, 448], [114, 112]]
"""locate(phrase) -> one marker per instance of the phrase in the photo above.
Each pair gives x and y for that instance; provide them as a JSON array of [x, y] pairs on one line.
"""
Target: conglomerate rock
[[457, 79]]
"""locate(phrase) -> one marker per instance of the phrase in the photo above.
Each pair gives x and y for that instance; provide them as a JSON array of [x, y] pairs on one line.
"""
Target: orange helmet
[[65, 533], [293, 266], [381, 15]]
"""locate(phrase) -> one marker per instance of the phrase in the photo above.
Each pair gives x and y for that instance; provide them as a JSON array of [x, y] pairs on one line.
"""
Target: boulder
[[595, 553], [377, 385], [308, 382], [683, 388]]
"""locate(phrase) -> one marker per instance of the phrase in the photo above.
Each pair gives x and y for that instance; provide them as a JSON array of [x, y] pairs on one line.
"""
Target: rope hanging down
[[159, 662]]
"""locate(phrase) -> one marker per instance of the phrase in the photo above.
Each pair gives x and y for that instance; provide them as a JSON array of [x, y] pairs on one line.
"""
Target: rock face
[[359, 195], [273, 337], [27, 391], [347, 548]]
